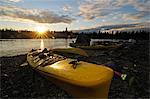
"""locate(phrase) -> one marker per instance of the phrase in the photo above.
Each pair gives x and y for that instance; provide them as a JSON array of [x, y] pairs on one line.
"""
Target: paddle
[[123, 76]]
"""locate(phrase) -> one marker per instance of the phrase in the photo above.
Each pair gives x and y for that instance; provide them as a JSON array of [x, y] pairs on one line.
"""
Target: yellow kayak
[[98, 47], [80, 79], [70, 50]]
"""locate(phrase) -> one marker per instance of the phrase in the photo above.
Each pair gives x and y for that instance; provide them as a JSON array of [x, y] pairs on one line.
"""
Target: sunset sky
[[74, 14]]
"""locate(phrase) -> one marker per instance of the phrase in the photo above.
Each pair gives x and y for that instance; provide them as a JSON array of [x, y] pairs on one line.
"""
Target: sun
[[40, 29], [41, 32]]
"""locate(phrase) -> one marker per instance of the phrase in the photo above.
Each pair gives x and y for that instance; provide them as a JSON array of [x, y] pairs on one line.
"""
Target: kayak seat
[[33, 50], [42, 56], [50, 59]]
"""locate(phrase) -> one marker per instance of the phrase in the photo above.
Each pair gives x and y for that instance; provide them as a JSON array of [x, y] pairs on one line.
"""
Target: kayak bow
[[86, 80]]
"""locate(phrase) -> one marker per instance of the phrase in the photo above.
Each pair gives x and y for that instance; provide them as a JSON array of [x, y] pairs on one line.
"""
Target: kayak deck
[[85, 74], [94, 78]]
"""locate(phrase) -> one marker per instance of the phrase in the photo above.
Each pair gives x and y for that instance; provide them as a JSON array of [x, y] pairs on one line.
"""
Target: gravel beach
[[19, 80]]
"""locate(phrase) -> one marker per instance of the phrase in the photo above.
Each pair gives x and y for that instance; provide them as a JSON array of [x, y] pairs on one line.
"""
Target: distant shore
[[141, 34], [18, 80]]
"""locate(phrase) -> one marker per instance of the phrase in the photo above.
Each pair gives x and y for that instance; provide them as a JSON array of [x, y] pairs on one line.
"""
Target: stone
[[6, 75], [6, 96], [24, 64], [15, 92]]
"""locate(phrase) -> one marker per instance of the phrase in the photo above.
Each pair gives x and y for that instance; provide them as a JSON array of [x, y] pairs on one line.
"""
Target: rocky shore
[[19, 80]]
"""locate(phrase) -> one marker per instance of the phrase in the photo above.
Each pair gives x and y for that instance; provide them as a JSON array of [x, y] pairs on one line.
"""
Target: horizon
[[73, 14]]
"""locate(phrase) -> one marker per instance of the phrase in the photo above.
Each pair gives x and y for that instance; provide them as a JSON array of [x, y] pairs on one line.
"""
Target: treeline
[[13, 34], [24, 34], [139, 35]]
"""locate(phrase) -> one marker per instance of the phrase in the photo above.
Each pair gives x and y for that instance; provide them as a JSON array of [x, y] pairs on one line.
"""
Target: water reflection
[[42, 44], [22, 46], [66, 43]]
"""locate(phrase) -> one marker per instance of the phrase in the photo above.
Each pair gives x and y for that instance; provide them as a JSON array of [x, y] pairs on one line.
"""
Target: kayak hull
[[86, 81], [97, 91]]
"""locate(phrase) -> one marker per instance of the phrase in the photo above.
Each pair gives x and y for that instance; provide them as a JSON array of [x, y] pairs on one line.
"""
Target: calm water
[[11, 47]]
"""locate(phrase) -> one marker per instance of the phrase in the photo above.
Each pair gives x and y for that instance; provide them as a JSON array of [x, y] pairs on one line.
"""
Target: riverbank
[[19, 80]]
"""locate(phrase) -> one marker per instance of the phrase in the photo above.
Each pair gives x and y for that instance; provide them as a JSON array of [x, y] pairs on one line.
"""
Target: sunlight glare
[[40, 29], [41, 32], [42, 44]]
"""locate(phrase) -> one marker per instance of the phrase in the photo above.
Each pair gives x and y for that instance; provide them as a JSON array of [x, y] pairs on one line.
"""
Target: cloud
[[14, 0], [91, 9], [116, 27], [8, 1], [135, 16], [139, 5], [111, 25], [67, 8], [41, 16], [131, 26]]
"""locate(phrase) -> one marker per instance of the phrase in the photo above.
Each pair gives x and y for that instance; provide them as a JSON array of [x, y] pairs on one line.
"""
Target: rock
[[83, 40], [5, 96], [59, 94], [51, 94], [6, 75], [41, 85], [33, 94], [134, 65], [15, 92]]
